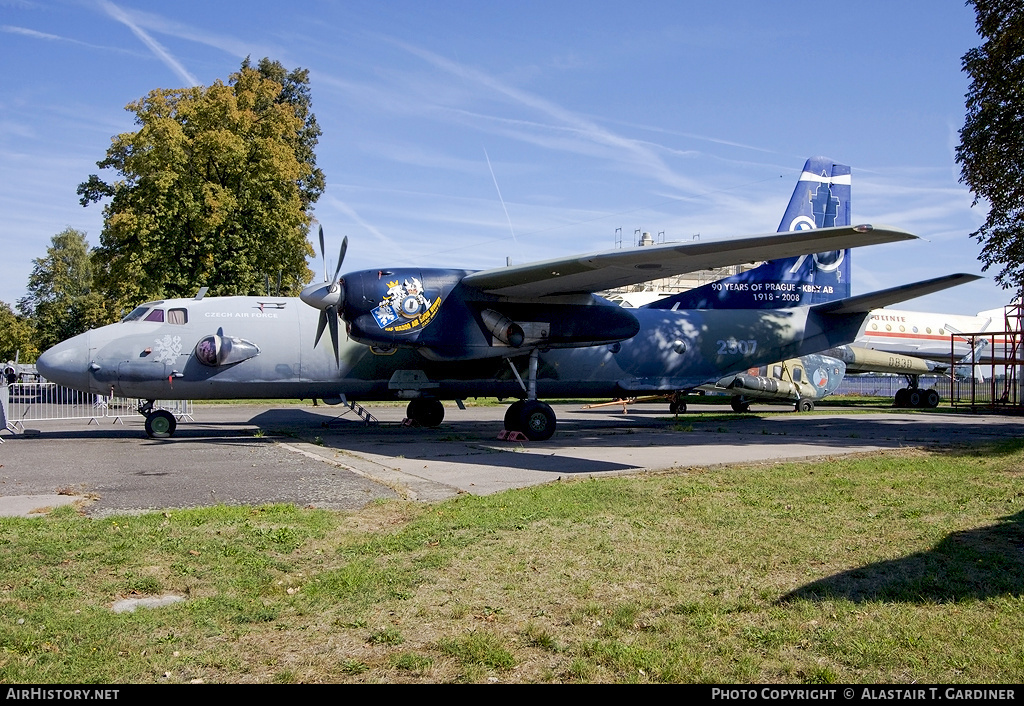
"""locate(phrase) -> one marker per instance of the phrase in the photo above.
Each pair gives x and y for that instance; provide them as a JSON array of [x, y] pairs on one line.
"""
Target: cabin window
[[798, 375], [888, 327], [942, 332], [178, 317], [777, 372], [874, 327], [156, 315], [915, 329], [903, 329], [929, 329]]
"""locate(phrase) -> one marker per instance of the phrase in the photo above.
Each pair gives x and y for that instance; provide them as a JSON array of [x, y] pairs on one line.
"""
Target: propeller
[[328, 297]]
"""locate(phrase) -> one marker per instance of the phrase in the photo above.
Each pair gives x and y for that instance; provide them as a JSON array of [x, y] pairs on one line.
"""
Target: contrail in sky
[[154, 46]]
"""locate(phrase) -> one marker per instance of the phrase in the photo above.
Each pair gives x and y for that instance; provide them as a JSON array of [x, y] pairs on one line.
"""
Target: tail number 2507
[[730, 346]]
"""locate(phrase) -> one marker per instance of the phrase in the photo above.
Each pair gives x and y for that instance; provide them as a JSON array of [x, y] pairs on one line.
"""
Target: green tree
[[214, 189], [296, 94], [17, 336], [991, 150], [61, 301]]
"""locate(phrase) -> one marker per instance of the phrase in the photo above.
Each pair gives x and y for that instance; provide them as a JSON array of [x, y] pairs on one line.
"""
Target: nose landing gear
[[160, 424]]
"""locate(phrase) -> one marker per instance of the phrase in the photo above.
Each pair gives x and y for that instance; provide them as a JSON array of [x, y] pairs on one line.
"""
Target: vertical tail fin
[[821, 199]]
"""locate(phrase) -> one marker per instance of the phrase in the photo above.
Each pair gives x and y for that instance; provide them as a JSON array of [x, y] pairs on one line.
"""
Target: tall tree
[[295, 93], [61, 301], [17, 336], [991, 150], [214, 189]]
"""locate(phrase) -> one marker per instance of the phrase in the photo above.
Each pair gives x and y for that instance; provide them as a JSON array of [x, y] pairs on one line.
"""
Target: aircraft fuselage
[[252, 347]]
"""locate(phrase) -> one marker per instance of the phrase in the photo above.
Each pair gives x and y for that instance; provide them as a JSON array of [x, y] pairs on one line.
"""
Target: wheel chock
[[506, 435]]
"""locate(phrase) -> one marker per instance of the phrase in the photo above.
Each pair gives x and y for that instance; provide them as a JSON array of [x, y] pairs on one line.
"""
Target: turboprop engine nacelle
[[504, 329]]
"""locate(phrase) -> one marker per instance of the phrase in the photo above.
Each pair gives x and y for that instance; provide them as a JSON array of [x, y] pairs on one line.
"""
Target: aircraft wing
[[619, 268], [876, 300]]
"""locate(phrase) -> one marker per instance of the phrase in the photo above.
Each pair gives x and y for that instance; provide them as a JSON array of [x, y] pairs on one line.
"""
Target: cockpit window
[[177, 316], [140, 311], [156, 315], [136, 314]]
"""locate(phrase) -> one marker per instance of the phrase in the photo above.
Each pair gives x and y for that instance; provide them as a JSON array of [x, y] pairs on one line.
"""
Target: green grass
[[896, 567]]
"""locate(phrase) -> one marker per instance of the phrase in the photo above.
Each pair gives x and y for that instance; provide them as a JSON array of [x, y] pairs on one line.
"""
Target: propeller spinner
[[328, 297]]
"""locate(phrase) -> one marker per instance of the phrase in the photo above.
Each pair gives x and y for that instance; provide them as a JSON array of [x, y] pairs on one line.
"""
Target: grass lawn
[[902, 566]]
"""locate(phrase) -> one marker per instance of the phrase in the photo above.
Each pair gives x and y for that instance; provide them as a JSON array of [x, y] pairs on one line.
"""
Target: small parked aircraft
[[428, 335]]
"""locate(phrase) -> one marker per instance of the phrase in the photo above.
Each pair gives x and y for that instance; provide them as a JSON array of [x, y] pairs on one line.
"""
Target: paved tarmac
[[241, 454]]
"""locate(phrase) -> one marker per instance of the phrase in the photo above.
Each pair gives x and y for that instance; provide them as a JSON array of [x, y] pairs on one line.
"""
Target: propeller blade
[[320, 327], [341, 257], [322, 255], [332, 320], [329, 298]]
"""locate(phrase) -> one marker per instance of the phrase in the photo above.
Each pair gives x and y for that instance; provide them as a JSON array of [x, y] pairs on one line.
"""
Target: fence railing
[[46, 401], [996, 391]]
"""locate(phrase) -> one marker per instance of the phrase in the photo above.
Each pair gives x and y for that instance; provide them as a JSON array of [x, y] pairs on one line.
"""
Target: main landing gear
[[425, 411], [914, 397], [532, 418], [160, 424]]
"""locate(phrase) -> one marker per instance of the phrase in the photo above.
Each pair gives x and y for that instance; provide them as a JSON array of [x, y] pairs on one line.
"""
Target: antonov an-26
[[427, 335]]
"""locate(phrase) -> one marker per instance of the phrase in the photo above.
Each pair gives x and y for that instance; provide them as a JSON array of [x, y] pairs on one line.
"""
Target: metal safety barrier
[[992, 391], [46, 401]]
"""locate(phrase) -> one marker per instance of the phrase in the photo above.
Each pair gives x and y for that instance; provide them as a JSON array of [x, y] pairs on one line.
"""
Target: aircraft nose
[[67, 363]]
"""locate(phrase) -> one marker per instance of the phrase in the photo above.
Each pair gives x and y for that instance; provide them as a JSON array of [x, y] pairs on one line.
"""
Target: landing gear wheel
[[425, 411], [915, 399], [536, 420], [677, 407], [902, 398], [739, 405], [160, 424], [931, 399], [805, 405], [512, 415]]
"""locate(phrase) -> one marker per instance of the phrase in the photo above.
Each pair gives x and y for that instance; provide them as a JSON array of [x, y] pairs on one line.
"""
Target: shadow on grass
[[981, 563]]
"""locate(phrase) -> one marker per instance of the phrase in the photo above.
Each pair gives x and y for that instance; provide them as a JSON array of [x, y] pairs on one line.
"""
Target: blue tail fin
[[821, 199]]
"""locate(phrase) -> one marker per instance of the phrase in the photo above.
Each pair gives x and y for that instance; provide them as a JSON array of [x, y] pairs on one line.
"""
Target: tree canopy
[[214, 189], [61, 300], [991, 150], [17, 336]]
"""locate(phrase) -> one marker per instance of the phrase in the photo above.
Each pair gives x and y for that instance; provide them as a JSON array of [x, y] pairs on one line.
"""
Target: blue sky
[[459, 133]]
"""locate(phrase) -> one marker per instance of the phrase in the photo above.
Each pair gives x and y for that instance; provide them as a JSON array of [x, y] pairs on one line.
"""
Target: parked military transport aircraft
[[432, 334]]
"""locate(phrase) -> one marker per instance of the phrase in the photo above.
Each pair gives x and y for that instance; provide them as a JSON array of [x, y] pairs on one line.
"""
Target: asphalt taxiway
[[310, 456]]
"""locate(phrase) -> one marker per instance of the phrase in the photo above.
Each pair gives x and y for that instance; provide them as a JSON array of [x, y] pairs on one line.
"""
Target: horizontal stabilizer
[[864, 303]]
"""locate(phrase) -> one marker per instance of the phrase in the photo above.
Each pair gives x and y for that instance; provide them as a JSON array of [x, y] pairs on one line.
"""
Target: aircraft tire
[[536, 420], [931, 399], [915, 399], [160, 424], [512, 420], [739, 405], [425, 411], [902, 398], [677, 407], [805, 405]]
